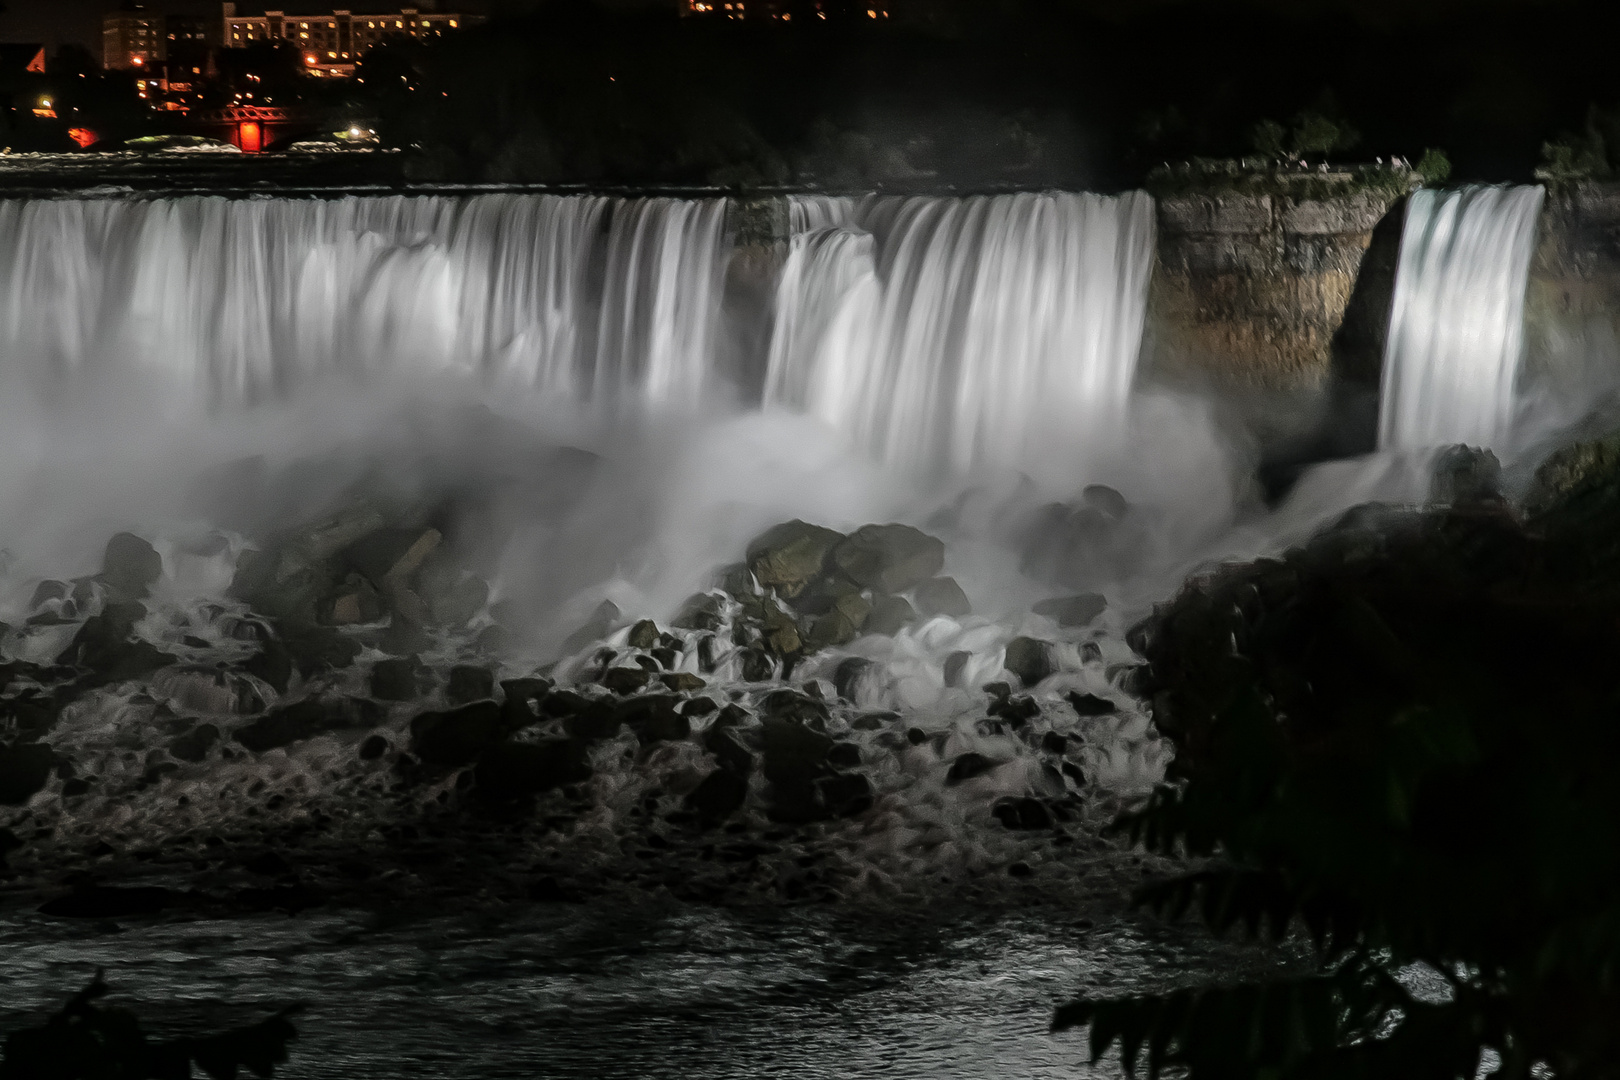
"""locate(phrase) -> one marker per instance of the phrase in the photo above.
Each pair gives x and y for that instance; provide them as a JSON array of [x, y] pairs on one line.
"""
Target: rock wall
[[1572, 310], [1270, 292]]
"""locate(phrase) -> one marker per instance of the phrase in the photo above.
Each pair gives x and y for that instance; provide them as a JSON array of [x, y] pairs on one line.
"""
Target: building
[[332, 41], [132, 38], [786, 10]]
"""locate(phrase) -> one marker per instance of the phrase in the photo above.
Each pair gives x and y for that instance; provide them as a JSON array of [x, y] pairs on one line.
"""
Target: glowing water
[[239, 298], [961, 331], [1456, 330]]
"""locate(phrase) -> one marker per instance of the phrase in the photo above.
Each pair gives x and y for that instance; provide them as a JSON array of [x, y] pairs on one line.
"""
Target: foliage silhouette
[[1399, 738]]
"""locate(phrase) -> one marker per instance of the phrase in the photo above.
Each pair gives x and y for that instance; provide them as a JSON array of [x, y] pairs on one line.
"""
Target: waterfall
[[1456, 329], [955, 332], [576, 295]]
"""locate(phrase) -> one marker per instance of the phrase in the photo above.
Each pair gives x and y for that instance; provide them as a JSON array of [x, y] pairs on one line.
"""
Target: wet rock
[[757, 665], [107, 902], [194, 745], [889, 558], [404, 679], [1030, 659], [520, 770], [469, 683], [269, 864], [192, 688], [789, 556], [842, 624], [792, 705], [453, 596], [736, 580], [844, 795], [844, 755], [597, 627], [374, 747], [701, 706], [723, 740], [355, 601], [1022, 813], [524, 701], [47, 592], [30, 715], [1069, 611], [273, 663], [954, 666], [307, 720], [25, 768], [130, 566], [1053, 743], [1466, 474], [848, 674], [1075, 773], [795, 758], [653, 718], [595, 721], [721, 794], [1104, 499], [873, 721], [626, 680], [890, 615], [102, 645], [967, 766], [314, 649], [643, 635], [456, 737], [1091, 704], [916, 736], [1016, 710], [700, 611], [781, 632], [682, 682], [1020, 870], [942, 596]]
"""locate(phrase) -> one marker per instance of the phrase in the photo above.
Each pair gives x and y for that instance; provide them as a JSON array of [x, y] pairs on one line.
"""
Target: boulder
[[889, 558], [890, 615], [955, 664], [721, 794], [403, 679], [700, 611], [1466, 474], [1022, 813], [102, 645], [524, 701], [456, 737], [844, 794], [789, 556], [195, 688], [597, 627], [308, 719], [848, 674], [643, 635], [1070, 611], [355, 601], [1105, 500], [967, 766], [194, 745], [1092, 705], [842, 624], [25, 768], [757, 665], [1030, 659], [273, 663], [654, 718], [130, 566], [626, 680], [942, 596], [795, 758], [469, 683], [374, 747], [682, 682], [315, 649], [518, 770]]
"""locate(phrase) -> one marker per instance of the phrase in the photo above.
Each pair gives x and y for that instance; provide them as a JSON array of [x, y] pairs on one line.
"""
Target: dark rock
[[29, 715], [873, 721], [916, 736], [954, 664], [548, 890], [25, 768], [795, 758], [792, 705], [1106, 500], [649, 664], [700, 706], [845, 795], [998, 691], [518, 770], [596, 721], [195, 688], [967, 766], [626, 680], [268, 864], [597, 627], [844, 755], [789, 556], [308, 719], [404, 679], [273, 663], [889, 558], [47, 591], [1090, 653], [1466, 474], [1053, 743], [823, 594], [890, 615], [1030, 659], [757, 665], [1020, 870], [102, 645], [1016, 710], [194, 745], [721, 794], [106, 902], [403, 637], [130, 566], [667, 657], [456, 737], [643, 635], [352, 602], [701, 611], [318, 648], [848, 674], [1022, 813], [1072, 610], [77, 786], [374, 747], [524, 701], [469, 683], [452, 596], [653, 718], [682, 682], [1091, 704], [942, 596], [1075, 773]]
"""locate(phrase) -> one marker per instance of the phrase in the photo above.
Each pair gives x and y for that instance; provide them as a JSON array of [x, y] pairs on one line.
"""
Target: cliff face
[[1269, 292], [1572, 310]]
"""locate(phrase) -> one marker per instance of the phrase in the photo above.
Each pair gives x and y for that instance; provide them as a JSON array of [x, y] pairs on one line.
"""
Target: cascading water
[[963, 331], [242, 297], [1456, 328]]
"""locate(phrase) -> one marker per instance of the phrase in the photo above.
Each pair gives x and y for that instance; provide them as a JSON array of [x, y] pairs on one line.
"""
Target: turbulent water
[[1456, 332]]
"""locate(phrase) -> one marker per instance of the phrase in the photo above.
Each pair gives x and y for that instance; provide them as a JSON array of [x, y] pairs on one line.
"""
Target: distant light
[[137, 61], [309, 59]]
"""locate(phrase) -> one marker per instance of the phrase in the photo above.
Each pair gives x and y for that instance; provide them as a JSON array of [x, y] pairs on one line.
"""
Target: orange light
[[83, 136], [309, 59], [137, 60]]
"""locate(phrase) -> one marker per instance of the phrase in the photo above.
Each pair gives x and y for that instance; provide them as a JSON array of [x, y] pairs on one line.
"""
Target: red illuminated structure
[[253, 129]]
